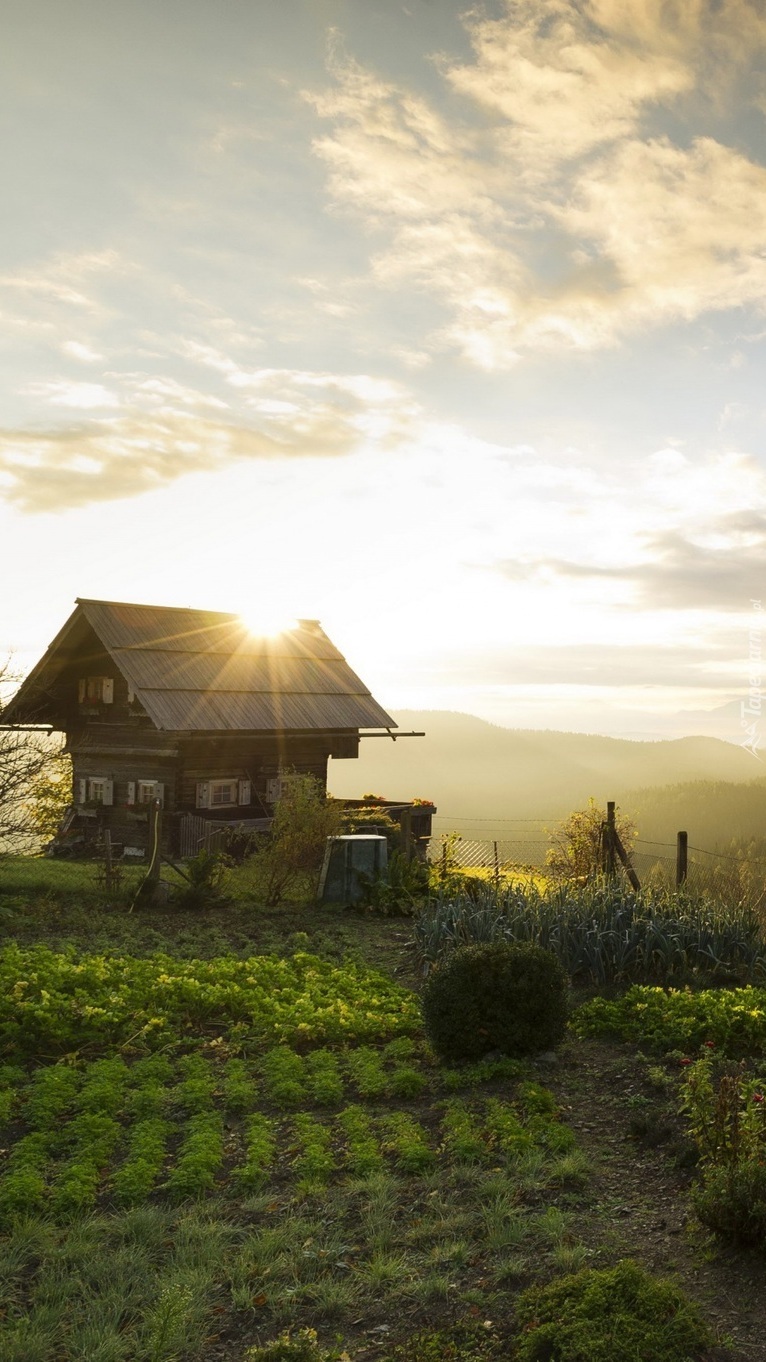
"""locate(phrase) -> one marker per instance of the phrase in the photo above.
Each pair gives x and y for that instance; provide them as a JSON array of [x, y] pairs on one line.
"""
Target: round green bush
[[497, 996], [609, 1316]]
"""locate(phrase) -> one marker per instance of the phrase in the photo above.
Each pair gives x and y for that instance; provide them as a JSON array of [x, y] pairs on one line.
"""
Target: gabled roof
[[203, 671]]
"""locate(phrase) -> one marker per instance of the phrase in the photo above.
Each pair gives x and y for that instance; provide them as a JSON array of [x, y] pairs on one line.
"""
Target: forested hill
[[713, 812], [476, 770]]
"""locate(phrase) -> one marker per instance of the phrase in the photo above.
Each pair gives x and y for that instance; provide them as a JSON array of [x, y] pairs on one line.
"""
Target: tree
[[26, 759], [51, 794], [304, 817], [576, 851]]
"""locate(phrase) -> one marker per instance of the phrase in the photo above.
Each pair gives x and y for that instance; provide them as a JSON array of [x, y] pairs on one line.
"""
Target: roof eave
[[26, 689]]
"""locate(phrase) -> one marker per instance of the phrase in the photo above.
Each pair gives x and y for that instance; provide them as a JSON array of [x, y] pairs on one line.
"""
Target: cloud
[[719, 570], [552, 207], [66, 394], [286, 414], [566, 78], [683, 229], [63, 279], [76, 350]]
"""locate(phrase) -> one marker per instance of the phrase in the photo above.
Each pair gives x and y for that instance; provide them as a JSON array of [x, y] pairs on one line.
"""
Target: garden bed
[[283, 1151]]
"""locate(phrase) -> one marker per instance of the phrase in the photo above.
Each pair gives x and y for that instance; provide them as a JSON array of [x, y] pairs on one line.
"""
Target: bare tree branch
[[25, 757]]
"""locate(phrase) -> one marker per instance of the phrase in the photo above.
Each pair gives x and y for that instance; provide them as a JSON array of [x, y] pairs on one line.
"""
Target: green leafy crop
[[59, 1002]]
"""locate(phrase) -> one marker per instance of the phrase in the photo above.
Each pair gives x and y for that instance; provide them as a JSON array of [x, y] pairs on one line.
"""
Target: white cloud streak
[[165, 435]]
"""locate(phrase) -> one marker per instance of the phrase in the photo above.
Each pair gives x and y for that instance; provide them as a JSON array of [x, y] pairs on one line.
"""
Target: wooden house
[[189, 708]]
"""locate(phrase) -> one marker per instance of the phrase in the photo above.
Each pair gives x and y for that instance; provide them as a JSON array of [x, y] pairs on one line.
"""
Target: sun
[[267, 624]]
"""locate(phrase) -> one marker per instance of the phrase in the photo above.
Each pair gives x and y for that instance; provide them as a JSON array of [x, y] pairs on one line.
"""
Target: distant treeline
[[715, 813]]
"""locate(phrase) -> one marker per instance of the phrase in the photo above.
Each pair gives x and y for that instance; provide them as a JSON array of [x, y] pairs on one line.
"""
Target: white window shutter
[[81, 687], [83, 790], [107, 692], [131, 791], [244, 792], [203, 794], [108, 792], [159, 792]]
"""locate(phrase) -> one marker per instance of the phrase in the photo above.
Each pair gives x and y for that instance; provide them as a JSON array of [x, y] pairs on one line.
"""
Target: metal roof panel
[[205, 711], [203, 670]]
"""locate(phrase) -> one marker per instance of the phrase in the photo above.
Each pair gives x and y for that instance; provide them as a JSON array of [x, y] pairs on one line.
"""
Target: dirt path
[[639, 1195]]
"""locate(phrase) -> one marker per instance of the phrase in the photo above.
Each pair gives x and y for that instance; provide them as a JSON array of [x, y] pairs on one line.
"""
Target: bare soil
[[638, 1197]]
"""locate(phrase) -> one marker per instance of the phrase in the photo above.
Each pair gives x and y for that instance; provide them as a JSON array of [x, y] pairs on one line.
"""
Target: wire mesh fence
[[498, 854], [738, 879], [732, 878]]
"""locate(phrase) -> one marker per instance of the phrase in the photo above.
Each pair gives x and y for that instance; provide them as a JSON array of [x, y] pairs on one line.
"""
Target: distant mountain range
[[484, 778], [724, 722]]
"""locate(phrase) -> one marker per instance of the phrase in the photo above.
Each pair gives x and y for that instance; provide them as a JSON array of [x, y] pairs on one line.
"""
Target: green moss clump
[[289, 1347], [497, 996], [600, 1316]]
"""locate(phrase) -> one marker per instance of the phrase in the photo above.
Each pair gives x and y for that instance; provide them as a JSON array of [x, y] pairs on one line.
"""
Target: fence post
[[108, 863], [405, 823], [155, 840], [497, 863], [682, 857], [610, 833]]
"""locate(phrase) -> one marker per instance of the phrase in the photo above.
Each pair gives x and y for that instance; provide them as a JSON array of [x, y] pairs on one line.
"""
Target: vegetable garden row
[[117, 1132]]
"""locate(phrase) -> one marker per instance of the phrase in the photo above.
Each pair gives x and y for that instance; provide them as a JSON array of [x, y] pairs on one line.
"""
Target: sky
[[444, 325]]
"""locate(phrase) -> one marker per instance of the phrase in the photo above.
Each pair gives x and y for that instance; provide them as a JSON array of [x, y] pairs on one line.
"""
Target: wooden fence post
[[155, 842], [610, 833], [108, 863], [497, 863], [626, 861], [682, 857], [405, 823]]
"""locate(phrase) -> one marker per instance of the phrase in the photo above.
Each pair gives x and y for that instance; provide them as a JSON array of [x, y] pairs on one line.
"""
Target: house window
[[277, 787], [95, 690], [96, 790], [149, 790], [223, 793]]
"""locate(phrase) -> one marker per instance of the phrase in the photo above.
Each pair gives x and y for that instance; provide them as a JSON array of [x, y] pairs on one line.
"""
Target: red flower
[[710, 1044], [685, 1061], [757, 1096]]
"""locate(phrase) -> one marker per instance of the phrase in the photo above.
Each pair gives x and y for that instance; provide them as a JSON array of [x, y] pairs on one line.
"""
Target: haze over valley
[[483, 778]]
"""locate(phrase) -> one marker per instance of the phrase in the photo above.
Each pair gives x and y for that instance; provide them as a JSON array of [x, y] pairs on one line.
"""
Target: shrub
[[578, 846], [600, 1316], [304, 817], [495, 997], [725, 1108], [731, 1201], [205, 876], [400, 891]]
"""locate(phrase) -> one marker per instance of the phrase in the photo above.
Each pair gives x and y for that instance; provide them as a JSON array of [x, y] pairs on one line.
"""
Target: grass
[[191, 1195]]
